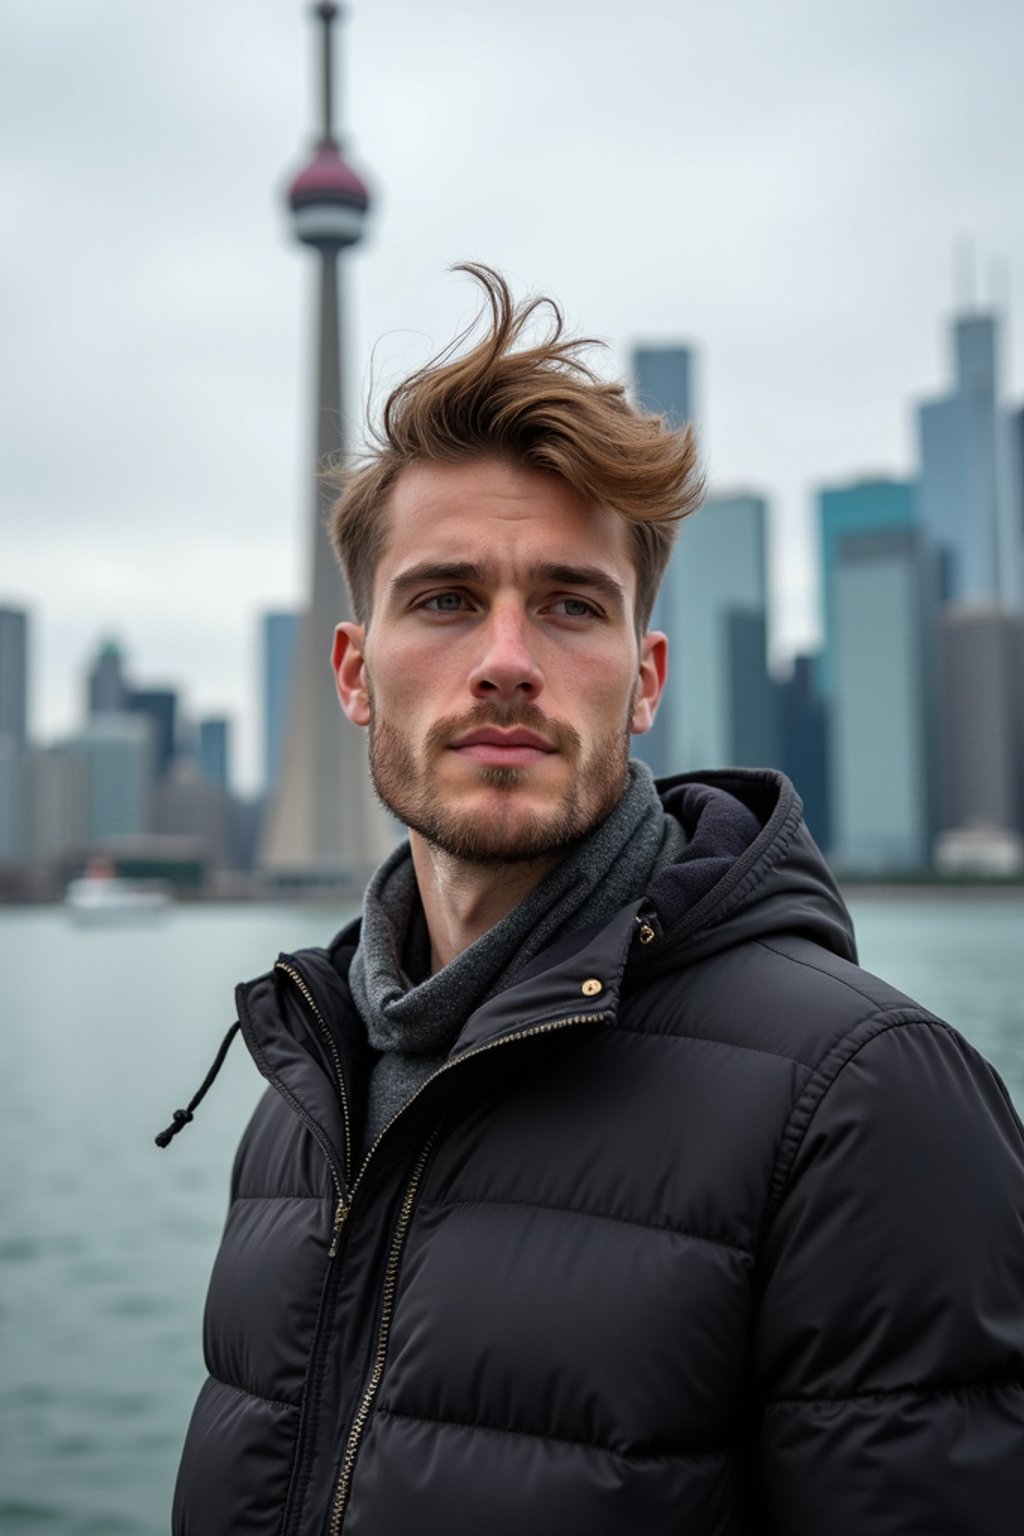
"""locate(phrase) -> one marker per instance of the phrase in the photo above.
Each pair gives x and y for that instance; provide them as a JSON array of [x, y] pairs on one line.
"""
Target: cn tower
[[324, 823]]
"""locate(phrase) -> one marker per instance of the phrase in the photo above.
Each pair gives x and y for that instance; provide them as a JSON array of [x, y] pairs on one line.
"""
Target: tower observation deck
[[324, 823]]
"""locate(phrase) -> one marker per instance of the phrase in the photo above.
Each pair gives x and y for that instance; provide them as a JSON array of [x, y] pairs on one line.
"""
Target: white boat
[[100, 896]]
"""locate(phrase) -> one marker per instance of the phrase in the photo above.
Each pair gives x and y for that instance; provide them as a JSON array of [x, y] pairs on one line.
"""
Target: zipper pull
[[341, 1211], [646, 931]]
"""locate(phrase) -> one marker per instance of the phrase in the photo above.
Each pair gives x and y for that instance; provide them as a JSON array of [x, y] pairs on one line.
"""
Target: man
[[596, 1189]]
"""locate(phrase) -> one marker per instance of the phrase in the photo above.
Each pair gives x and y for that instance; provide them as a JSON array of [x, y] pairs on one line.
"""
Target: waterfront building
[[117, 755], [966, 503], [870, 505], [58, 802], [982, 714], [279, 634], [1015, 460], [14, 675], [663, 381], [106, 686], [324, 821], [719, 707], [803, 743], [14, 801], [160, 707], [215, 751], [881, 722], [190, 807]]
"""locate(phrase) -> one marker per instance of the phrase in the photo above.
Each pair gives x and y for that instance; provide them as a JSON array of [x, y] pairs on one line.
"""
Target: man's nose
[[506, 667]]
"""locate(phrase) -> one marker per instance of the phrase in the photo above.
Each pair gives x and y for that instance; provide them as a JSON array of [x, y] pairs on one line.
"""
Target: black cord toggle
[[179, 1120], [183, 1117]]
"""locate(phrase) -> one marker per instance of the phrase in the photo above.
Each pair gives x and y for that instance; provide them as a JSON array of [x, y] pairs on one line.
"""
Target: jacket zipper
[[384, 1328], [299, 980], [340, 1178], [398, 1240]]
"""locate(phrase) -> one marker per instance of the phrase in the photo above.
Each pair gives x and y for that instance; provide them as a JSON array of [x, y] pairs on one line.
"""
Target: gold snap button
[[591, 987]]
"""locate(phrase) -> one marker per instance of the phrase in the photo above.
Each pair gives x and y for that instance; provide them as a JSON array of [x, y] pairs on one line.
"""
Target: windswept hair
[[540, 406]]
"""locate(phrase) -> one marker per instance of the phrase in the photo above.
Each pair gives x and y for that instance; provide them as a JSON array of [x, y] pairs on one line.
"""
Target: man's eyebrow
[[591, 576], [434, 570]]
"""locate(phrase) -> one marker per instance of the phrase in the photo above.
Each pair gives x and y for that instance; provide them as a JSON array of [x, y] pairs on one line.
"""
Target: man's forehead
[[487, 509]]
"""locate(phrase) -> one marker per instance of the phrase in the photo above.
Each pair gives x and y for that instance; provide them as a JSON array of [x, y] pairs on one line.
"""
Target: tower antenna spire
[[327, 13]]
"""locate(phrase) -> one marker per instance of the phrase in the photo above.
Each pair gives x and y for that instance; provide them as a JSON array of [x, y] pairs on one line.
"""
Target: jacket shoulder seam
[[871, 1026], [839, 981], [626, 1221], [732, 1045]]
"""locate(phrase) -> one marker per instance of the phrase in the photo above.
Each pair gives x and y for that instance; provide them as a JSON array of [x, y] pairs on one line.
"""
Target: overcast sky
[[780, 184]]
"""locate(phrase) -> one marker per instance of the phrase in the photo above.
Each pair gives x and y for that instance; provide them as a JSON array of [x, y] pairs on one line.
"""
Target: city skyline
[[800, 190], [905, 730]]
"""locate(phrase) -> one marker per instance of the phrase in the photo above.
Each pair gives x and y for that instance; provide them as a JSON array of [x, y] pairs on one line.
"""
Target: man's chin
[[498, 833]]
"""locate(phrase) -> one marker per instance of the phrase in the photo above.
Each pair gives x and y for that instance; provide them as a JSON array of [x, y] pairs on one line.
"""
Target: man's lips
[[506, 749]]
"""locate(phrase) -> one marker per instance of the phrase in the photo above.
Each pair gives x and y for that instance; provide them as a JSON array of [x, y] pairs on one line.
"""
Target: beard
[[505, 832]]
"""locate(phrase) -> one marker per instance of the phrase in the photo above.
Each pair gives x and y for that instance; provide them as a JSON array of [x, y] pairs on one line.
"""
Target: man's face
[[500, 675]]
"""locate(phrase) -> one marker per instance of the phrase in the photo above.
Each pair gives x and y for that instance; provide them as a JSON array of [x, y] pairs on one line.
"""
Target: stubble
[[405, 781]]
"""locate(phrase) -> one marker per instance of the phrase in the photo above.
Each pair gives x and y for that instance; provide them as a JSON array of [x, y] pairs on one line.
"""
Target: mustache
[[505, 717]]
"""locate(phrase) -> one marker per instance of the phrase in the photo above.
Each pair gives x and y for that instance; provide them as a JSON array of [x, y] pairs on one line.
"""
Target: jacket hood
[[750, 869]]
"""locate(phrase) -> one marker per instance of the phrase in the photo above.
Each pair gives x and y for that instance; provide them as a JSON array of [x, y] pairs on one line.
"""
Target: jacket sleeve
[[889, 1338]]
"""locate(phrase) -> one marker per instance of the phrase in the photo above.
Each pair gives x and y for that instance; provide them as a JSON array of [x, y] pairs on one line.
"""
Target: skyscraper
[[14, 756], [107, 689], [14, 801], [160, 706], [719, 707], [279, 636], [966, 504], [116, 754], [663, 381], [982, 693], [881, 750], [876, 505], [1016, 482], [14, 675], [324, 821], [803, 744], [214, 754]]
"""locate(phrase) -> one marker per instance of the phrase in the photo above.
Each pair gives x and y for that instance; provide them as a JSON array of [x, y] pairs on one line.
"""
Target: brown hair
[[540, 406]]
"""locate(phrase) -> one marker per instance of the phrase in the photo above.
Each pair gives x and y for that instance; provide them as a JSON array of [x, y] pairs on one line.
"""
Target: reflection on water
[[106, 1243]]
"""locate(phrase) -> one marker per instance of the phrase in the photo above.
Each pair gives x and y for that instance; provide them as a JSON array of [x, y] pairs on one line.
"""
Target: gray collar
[[409, 1011]]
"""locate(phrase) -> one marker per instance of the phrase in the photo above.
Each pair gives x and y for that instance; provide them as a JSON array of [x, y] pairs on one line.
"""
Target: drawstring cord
[[182, 1117]]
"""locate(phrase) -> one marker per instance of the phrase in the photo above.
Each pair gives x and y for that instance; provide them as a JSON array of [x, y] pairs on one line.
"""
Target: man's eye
[[444, 602], [573, 607]]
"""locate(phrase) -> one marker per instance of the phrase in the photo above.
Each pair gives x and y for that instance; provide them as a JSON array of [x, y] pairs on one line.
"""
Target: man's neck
[[463, 901]]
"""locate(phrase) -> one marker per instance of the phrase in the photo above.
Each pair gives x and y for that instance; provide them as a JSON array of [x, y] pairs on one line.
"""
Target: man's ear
[[349, 664], [651, 681]]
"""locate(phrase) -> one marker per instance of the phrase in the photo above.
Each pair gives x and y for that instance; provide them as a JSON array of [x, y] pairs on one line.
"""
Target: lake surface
[[106, 1243]]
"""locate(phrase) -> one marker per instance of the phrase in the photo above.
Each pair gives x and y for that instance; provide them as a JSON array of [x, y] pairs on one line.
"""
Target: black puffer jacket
[[700, 1229]]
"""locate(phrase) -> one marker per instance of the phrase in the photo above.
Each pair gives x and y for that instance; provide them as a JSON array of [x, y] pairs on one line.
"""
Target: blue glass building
[[215, 751], [719, 706], [280, 638], [663, 381], [14, 675], [881, 716], [863, 507], [967, 505]]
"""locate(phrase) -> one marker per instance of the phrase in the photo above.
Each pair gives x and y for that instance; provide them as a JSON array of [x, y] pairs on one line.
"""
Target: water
[[106, 1242]]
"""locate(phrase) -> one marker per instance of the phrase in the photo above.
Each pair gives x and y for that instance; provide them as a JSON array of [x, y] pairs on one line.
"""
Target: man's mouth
[[494, 748]]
